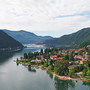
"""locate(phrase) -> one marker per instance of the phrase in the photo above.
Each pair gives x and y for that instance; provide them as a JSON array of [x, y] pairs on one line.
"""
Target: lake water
[[19, 77]]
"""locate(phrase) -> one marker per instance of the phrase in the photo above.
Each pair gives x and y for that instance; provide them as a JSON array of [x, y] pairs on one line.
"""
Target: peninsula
[[72, 64]]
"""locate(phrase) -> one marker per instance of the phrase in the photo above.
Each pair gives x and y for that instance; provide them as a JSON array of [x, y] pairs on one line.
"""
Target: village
[[80, 56], [78, 61]]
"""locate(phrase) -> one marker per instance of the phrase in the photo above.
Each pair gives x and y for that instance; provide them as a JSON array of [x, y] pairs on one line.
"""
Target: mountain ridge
[[72, 40], [26, 37]]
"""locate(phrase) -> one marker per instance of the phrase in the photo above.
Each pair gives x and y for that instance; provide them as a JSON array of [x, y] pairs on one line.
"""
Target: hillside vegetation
[[8, 42], [77, 39]]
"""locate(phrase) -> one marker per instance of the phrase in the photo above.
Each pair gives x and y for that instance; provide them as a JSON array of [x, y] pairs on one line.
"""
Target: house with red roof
[[80, 61], [79, 57], [54, 57], [87, 57]]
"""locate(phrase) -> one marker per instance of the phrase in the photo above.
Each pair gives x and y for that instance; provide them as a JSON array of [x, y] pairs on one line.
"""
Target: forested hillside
[[77, 39], [7, 42]]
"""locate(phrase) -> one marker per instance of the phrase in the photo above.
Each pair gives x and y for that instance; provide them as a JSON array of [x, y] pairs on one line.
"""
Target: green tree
[[86, 47], [29, 63], [25, 56], [50, 67], [51, 62], [36, 54], [30, 55], [71, 71], [88, 72], [88, 63], [61, 67], [21, 58], [80, 52], [84, 72], [71, 56], [17, 60], [45, 65], [66, 57], [46, 51], [81, 67], [41, 51], [42, 62]]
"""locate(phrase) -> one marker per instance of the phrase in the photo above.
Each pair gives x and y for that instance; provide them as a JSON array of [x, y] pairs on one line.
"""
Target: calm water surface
[[19, 77]]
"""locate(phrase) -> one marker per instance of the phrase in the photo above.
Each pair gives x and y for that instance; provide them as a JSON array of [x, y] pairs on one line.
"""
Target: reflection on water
[[64, 84], [17, 64], [4, 56], [31, 69], [86, 83], [69, 84], [50, 74]]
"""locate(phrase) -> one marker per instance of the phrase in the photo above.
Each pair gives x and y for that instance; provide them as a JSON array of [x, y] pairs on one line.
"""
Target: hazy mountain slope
[[26, 37]]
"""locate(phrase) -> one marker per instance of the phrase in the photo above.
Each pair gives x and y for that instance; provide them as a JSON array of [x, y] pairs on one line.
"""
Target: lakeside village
[[70, 63]]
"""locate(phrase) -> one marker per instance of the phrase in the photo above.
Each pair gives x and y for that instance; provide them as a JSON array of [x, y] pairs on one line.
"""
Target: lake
[[19, 77]]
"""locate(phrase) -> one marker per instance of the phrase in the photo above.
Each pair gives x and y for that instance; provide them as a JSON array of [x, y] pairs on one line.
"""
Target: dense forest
[[8, 42], [77, 39]]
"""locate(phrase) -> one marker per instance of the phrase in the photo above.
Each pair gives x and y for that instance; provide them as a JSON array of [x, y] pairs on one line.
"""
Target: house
[[79, 57], [87, 57], [88, 46], [81, 49], [71, 50], [39, 57], [53, 57], [82, 61], [64, 51], [49, 53], [78, 61], [86, 53], [59, 58], [76, 51], [36, 61]]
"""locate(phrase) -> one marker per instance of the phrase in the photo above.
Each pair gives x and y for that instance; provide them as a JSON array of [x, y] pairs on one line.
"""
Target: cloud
[[38, 15]]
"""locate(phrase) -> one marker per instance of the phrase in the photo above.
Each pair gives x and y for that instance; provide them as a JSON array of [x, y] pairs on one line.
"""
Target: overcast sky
[[45, 17]]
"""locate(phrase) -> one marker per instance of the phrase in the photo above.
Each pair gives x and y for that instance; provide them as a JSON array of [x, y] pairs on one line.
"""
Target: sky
[[45, 17]]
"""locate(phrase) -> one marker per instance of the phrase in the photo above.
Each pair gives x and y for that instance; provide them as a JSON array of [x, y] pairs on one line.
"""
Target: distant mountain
[[25, 37], [77, 39], [7, 42]]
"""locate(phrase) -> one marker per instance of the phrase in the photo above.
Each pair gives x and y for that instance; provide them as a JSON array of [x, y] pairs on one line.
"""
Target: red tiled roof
[[59, 58], [79, 56]]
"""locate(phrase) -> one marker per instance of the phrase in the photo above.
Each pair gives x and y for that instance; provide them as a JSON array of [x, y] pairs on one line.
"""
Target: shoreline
[[56, 75], [62, 77]]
